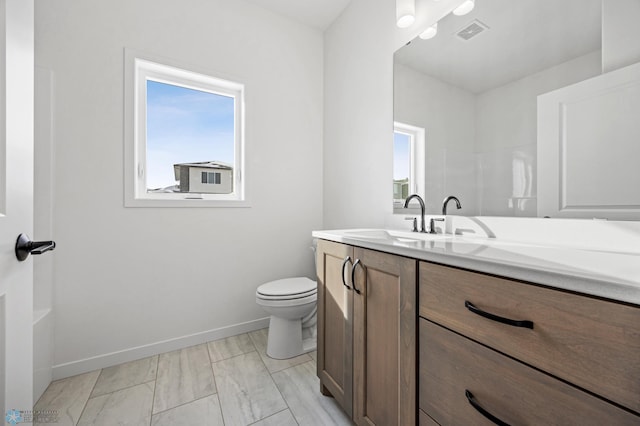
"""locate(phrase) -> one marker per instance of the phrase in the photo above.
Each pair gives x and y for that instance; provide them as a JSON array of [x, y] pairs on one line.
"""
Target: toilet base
[[285, 339]]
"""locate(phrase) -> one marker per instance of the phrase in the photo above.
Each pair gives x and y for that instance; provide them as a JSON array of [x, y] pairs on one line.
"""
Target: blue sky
[[185, 125], [401, 156]]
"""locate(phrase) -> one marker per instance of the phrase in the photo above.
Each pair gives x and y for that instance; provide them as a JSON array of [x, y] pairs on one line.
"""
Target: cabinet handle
[[482, 411], [516, 323], [353, 275], [344, 265]]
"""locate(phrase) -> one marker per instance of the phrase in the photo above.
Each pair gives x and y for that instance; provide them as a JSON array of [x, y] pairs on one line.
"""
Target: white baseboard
[[114, 358]]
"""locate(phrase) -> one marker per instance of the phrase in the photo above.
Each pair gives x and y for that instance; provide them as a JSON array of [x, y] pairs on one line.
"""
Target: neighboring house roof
[[202, 164]]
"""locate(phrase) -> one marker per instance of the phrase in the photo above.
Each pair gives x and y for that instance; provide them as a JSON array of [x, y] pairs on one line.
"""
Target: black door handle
[[24, 247]]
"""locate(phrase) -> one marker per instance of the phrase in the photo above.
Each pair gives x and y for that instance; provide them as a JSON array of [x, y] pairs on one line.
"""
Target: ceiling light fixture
[[464, 8], [429, 32], [405, 13]]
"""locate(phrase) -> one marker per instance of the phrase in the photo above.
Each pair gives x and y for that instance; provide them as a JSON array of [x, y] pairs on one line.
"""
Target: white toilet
[[291, 302]]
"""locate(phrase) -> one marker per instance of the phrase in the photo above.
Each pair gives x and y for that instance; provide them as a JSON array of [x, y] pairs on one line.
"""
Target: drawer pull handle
[[482, 411], [353, 275], [516, 323], [344, 265]]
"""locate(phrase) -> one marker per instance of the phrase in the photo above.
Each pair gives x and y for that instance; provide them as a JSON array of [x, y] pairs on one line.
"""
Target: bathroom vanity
[[414, 328]]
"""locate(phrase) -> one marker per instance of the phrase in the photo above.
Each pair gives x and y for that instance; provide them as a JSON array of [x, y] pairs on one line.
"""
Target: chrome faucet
[[446, 201], [421, 201]]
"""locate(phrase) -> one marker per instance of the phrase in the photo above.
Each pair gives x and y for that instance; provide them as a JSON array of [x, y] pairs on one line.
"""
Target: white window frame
[[417, 160], [139, 68]]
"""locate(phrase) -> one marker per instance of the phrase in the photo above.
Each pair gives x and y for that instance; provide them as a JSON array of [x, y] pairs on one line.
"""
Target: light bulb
[[464, 8], [405, 21], [429, 32], [405, 13]]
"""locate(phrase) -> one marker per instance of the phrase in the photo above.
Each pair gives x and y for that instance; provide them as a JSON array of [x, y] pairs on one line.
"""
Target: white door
[[16, 207]]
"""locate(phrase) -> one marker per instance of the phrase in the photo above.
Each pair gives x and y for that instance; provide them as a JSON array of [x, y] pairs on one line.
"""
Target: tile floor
[[225, 382]]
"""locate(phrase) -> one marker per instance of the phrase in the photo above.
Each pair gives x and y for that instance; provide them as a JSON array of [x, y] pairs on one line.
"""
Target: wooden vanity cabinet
[[540, 356], [367, 333], [488, 346]]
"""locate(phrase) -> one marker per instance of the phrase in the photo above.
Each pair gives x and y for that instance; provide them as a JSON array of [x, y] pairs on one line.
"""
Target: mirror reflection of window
[[408, 162], [401, 165]]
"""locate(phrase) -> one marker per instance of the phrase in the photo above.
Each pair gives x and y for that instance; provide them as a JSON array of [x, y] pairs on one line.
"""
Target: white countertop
[[613, 275]]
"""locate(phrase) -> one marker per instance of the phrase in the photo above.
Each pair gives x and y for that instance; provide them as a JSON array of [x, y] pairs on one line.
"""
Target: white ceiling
[[524, 37], [315, 13]]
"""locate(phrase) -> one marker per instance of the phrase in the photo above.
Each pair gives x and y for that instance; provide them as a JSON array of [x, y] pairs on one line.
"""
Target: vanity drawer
[[592, 343], [451, 365], [424, 420]]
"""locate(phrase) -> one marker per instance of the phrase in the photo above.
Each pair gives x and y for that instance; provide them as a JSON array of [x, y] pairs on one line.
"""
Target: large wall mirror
[[475, 87]]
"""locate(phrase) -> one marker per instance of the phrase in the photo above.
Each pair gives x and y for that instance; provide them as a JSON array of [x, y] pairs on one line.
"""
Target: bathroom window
[[408, 162], [184, 136]]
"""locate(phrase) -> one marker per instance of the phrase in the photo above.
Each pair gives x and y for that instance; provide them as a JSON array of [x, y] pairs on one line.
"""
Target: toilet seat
[[288, 289], [300, 301]]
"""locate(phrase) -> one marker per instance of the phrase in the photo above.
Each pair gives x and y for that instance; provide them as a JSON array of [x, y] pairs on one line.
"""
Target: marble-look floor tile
[[183, 376], [246, 390], [67, 397], [202, 412], [314, 355], [126, 375], [259, 338], [130, 406], [301, 389], [283, 418], [230, 347]]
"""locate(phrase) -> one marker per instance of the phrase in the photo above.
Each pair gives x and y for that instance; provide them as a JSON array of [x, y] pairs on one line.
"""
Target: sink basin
[[389, 236], [374, 234]]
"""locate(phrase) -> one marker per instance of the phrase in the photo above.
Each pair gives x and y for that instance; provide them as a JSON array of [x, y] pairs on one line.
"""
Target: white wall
[[129, 277], [358, 115], [447, 113]]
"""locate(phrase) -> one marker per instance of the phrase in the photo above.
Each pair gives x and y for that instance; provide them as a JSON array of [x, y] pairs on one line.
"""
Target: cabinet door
[[335, 324], [384, 339]]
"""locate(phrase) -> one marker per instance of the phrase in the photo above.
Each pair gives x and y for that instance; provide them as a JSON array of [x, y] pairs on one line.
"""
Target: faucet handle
[[415, 223], [432, 224]]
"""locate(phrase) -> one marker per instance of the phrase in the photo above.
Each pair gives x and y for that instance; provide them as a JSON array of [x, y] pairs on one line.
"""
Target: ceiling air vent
[[471, 30]]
